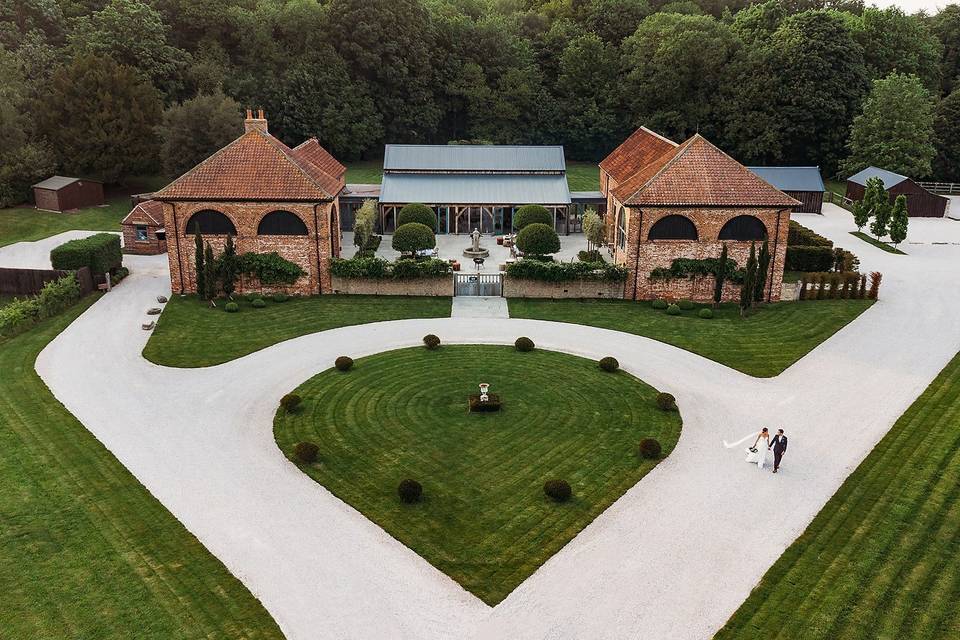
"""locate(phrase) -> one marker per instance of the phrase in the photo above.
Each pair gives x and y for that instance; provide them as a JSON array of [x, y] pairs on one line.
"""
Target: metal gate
[[478, 284]]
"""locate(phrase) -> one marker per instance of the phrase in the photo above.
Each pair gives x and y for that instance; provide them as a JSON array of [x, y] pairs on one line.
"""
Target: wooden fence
[[28, 282], [943, 188], [838, 199]]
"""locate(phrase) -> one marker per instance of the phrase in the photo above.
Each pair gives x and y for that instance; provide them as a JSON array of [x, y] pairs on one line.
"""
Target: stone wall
[[311, 252], [526, 288], [442, 286]]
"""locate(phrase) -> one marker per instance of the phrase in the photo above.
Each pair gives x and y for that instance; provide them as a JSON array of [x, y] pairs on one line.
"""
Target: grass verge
[[879, 244]]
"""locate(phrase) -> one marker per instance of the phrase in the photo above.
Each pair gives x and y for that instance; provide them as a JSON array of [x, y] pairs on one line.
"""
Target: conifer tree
[[762, 267], [721, 275], [749, 281], [209, 274], [199, 267], [228, 267]]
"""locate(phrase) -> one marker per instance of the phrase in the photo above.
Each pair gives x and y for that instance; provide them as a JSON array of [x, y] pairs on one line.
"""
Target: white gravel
[[673, 558], [36, 255]]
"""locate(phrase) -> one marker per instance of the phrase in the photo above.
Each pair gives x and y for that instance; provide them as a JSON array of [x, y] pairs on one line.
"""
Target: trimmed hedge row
[[566, 271], [809, 258], [21, 314], [800, 236], [100, 252], [691, 267], [378, 268]]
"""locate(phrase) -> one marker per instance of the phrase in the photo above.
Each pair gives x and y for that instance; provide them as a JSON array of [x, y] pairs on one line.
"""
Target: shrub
[[566, 271], [413, 236], [686, 305], [269, 268], [306, 452], [649, 448], [875, 278], [692, 267], [101, 252], [416, 212], [609, 364], [666, 402], [280, 297], [673, 310], [378, 268], [258, 303], [524, 344], [659, 303], [290, 402], [557, 490], [538, 239], [800, 236], [532, 214], [809, 259], [589, 256], [705, 313], [343, 363], [431, 341], [250, 297], [409, 491], [231, 307]]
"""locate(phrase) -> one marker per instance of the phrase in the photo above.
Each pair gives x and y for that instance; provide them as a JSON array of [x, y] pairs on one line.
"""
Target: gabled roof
[[58, 182], [309, 152], [636, 152], [257, 166], [697, 173], [890, 179], [792, 178], [453, 158], [151, 210]]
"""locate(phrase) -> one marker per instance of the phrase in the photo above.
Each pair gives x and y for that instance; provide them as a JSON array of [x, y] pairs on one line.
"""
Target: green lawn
[[365, 171], [190, 333], [762, 345], [85, 550], [879, 244], [484, 519], [839, 187], [882, 559], [581, 176]]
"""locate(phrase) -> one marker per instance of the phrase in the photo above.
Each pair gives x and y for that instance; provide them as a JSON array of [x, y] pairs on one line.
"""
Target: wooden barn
[[802, 183], [920, 202], [60, 193]]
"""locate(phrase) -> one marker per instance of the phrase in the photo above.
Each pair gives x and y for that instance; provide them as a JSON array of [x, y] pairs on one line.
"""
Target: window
[[282, 223], [621, 229], [744, 228], [210, 222], [141, 233], [673, 227]]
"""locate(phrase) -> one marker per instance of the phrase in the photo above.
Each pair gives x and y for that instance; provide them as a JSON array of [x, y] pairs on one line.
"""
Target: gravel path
[[673, 558]]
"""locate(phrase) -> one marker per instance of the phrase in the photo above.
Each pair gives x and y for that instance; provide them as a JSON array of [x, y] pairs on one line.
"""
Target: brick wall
[[442, 286], [311, 252], [525, 288]]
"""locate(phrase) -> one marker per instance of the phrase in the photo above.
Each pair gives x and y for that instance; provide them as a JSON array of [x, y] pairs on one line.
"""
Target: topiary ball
[[659, 303], [609, 364], [409, 491], [431, 341], [343, 363], [258, 303], [531, 214], [705, 313], [416, 212], [524, 344], [280, 297], [557, 490], [666, 402], [231, 307], [649, 448], [306, 452], [290, 402], [685, 305], [673, 310], [250, 297]]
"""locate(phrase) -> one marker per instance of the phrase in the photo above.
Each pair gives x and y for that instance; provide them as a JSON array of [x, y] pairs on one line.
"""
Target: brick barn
[[143, 232], [668, 201], [269, 197]]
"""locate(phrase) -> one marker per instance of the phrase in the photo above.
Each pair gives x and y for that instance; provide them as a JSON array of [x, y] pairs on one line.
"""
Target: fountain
[[475, 250]]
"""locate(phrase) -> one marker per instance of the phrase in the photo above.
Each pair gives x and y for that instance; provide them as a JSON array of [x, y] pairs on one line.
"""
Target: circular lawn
[[483, 518]]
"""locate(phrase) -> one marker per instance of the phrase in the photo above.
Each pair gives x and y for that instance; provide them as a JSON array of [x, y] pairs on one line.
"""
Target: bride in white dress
[[762, 446]]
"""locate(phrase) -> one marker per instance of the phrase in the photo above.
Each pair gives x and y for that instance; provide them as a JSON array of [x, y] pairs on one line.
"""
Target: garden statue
[[475, 250], [484, 387]]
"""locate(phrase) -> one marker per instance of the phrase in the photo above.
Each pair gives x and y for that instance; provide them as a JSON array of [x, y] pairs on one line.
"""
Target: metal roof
[[890, 179], [491, 189], [472, 157], [587, 196], [791, 178], [56, 182]]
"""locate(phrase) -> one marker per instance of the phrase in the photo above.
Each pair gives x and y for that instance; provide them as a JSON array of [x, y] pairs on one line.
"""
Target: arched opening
[[673, 227], [281, 223], [744, 228], [210, 222], [621, 229]]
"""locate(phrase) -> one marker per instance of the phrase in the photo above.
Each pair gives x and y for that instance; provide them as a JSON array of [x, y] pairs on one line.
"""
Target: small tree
[[413, 237], [363, 223], [531, 214], [538, 239], [721, 275], [881, 218], [593, 228], [861, 215], [209, 274], [199, 267], [228, 267], [749, 281], [416, 212], [899, 220], [763, 264]]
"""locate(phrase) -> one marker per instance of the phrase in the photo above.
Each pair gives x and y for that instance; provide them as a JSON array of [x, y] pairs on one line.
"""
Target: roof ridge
[[654, 133], [296, 162], [679, 151]]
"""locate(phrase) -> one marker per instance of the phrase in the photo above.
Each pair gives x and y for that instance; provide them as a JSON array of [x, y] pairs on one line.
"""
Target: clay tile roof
[[255, 166], [698, 173], [151, 210], [324, 168], [636, 152]]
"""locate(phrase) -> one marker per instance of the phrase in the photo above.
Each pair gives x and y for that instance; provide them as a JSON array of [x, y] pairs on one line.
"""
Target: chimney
[[251, 123]]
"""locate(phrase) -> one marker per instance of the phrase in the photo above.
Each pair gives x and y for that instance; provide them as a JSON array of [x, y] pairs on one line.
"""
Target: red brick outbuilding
[[143, 232]]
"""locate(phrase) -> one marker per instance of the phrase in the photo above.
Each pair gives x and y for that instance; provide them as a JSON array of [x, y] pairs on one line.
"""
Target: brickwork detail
[[525, 288], [442, 286]]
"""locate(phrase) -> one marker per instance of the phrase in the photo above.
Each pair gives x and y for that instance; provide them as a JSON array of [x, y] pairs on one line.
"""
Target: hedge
[[100, 252], [809, 258], [690, 267], [380, 269], [416, 212], [800, 236], [566, 271], [538, 239], [22, 313], [531, 214], [413, 236], [269, 268]]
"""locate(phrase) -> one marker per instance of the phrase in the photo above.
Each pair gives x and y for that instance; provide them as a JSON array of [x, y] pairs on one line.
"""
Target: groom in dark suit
[[779, 446]]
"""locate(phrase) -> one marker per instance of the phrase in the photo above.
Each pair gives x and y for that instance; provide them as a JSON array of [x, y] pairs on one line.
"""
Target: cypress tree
[[721, 275], [228, 267], [209, 274], [762, 267], [749, 281], [199, 267]]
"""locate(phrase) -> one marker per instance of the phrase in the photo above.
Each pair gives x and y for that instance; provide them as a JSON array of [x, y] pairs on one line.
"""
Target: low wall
[[442, 286], [524, 288], [699, 289]]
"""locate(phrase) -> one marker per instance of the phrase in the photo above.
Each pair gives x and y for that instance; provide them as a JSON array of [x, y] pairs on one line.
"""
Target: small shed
[[802, 183], [60, 193], [920, 202], [143, 229]]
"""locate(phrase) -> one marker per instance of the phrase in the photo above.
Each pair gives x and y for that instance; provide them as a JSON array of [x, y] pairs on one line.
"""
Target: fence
[[28, 282], [944, 188], [838, 199]]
